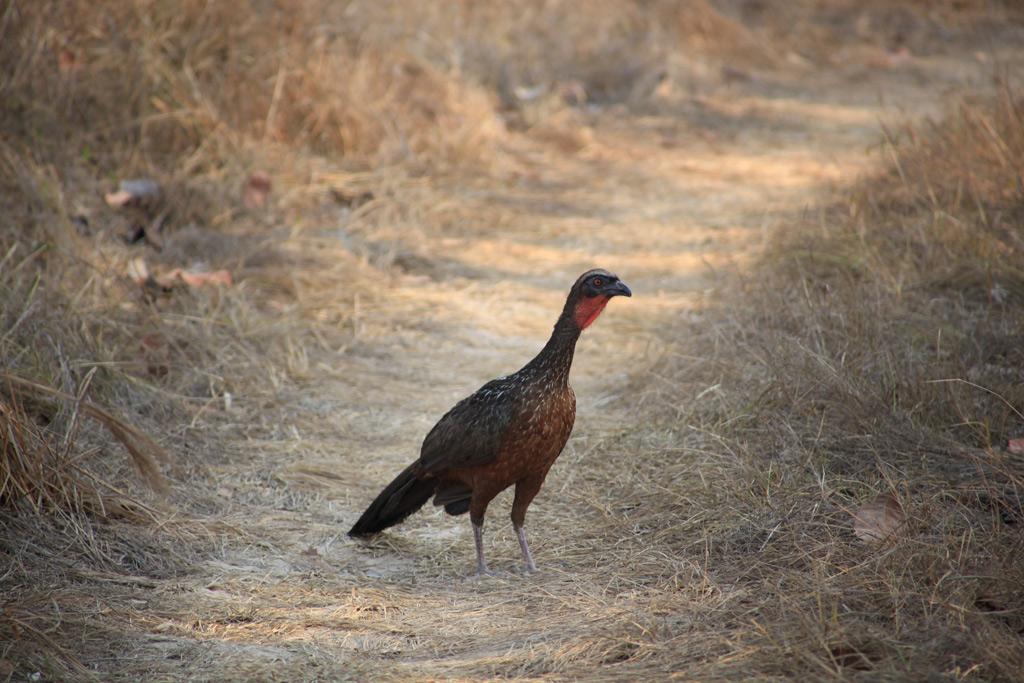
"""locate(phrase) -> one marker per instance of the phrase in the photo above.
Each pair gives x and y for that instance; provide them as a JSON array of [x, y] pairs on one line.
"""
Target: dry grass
[[197, 82], [876, 349]]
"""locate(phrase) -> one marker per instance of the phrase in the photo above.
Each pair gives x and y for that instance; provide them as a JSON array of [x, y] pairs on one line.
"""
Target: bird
[[509, 431]]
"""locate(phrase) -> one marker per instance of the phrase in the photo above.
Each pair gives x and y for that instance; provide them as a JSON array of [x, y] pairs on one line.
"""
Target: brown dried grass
[[135, 84], [724, 549], [876, 350]]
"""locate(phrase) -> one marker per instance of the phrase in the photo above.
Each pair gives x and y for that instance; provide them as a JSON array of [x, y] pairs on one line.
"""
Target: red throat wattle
[[588, 309]]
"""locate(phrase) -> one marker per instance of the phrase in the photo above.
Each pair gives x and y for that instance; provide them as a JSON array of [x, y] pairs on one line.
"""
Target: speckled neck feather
[[555, 359]]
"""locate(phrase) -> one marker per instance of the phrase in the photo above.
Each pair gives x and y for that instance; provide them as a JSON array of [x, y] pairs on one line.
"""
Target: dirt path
[[669, 202]]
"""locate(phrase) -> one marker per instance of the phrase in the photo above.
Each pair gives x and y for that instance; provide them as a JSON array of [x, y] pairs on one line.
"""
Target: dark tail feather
[[459, 507], [399, 499], [455, 497]]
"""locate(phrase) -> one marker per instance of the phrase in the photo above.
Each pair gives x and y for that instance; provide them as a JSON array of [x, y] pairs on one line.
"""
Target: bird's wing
[[470, 434]]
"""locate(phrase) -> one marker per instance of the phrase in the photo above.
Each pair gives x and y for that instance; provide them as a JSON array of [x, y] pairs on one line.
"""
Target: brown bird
[[508, 432]]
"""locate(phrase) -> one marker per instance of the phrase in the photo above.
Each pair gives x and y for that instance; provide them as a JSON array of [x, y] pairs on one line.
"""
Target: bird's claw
[[484, 571]]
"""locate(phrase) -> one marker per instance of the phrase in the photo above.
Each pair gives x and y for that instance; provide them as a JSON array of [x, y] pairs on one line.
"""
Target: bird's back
[[519, 422]]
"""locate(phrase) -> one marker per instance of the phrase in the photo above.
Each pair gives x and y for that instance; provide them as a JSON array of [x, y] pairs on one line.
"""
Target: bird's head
[[591, 294]]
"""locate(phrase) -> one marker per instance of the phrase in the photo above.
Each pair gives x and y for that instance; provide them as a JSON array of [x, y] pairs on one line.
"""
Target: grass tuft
[[874, 352]]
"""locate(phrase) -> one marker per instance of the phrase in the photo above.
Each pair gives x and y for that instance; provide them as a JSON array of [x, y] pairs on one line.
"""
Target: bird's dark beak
[[620, 289]]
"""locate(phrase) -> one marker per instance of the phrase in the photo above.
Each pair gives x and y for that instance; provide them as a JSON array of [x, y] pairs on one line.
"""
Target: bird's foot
[[528, 566], [484, 571]]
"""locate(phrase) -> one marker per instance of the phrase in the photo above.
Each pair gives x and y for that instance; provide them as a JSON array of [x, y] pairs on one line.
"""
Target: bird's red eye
[[597, 282]]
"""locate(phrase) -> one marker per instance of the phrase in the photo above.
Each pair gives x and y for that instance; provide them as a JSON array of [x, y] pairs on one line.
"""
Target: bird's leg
[[525, 547], [478, 536], [526, 489]]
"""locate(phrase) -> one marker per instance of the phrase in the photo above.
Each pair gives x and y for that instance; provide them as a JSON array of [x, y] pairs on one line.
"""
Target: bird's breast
[[541, 428]]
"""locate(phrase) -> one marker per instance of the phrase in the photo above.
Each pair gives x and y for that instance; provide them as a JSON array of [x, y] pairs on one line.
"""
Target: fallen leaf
[[137, 270], [217, 277], [879, 518], [119, 198], [1015, 446], [139, 191], [310, 552], [257, 190]]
